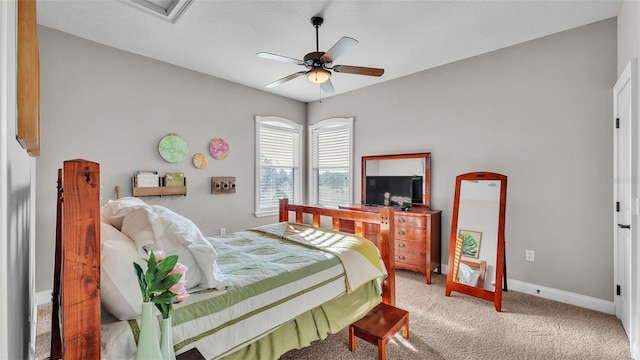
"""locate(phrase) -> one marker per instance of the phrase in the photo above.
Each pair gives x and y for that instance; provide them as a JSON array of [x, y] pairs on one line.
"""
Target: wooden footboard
[[383, 221]]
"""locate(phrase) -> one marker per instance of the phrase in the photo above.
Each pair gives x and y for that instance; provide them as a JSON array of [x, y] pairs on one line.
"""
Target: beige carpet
[[462, 327]]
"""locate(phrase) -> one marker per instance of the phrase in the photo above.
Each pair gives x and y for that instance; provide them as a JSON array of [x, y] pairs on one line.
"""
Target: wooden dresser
[[417, 238]]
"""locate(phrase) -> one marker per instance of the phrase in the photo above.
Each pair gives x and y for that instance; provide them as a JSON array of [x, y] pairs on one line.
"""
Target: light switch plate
[[223, 184]]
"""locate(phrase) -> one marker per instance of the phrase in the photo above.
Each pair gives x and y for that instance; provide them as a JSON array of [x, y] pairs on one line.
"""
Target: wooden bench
[[378, 326]]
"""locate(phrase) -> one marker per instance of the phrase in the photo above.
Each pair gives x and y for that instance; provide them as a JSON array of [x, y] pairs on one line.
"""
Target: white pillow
[[137, 225], [119, 289], [152, 232], [175, 232], [467, 275], [114, 211]]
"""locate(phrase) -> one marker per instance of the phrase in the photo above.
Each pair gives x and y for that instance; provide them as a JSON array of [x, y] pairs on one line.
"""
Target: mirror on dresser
[[476, 244], [417, 227], [415, 167]]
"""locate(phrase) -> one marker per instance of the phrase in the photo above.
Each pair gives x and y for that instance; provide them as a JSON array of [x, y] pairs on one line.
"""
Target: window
[[278, 147], [331, 148]]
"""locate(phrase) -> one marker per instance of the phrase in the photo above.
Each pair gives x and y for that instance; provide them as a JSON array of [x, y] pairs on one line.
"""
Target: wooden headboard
[[347, 220]]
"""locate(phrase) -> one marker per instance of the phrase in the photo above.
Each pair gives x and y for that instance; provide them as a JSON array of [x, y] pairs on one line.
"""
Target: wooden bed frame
[[75, 330]]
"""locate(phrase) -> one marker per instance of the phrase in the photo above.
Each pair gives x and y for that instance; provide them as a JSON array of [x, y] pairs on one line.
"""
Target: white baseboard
[[43, 297], [562, 296]]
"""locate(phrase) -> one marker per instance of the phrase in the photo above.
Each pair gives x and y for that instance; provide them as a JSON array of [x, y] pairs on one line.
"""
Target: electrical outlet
[[529, 255], [223, 231]]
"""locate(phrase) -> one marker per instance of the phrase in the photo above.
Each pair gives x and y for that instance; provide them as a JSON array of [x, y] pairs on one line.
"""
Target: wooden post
[[81, 260]]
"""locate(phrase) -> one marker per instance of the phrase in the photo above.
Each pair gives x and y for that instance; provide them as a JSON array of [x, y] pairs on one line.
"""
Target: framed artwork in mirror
[[470, 242], [479, 207]]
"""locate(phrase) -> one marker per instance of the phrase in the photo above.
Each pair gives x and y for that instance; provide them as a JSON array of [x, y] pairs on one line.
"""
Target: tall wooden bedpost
[[387, 252], [77, 285]]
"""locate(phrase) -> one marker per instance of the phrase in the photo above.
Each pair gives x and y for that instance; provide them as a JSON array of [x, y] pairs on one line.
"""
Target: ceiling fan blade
[[338, 49], [327, 86], [285, 79], [358, 70], [270, 56]]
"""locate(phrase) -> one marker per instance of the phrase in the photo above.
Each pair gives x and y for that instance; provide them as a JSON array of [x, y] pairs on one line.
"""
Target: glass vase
[[166, 339], [148, 345]]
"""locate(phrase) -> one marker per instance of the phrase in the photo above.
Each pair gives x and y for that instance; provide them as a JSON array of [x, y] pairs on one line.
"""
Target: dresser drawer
[[410, 233], [411, 246], [408, 220], [411, 258]]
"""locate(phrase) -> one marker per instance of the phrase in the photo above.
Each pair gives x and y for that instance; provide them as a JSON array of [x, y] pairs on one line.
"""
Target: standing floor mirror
[[476, 245]]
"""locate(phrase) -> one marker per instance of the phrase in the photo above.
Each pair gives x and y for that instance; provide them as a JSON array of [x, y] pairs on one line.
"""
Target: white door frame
[[628, 79]]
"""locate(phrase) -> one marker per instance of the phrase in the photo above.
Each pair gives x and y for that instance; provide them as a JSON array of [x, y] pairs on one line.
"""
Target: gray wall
[[113, 107], [538, 112]]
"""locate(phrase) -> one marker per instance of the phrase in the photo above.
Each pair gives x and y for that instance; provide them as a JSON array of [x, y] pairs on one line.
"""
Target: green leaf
[[165, 309], [167, 282], [166, 297], [151, 263], [167, 264], [141, 281]]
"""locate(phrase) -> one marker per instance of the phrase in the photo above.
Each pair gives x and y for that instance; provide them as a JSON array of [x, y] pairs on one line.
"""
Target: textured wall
[[538, 112]]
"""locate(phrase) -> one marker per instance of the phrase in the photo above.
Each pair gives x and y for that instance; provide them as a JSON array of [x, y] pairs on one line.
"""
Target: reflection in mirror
[[415, 167], [477, 228], [476, 251]]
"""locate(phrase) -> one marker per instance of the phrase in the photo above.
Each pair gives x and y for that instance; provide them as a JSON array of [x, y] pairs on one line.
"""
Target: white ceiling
[[221, 38]]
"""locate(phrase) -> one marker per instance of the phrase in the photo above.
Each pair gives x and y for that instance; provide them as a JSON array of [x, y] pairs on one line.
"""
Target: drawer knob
[[401, 232], [401, 244], [401, 257], [401, 220]]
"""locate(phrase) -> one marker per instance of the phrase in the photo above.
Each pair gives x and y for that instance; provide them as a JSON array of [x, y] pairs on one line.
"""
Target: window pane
[[275, 183], [333, 148], [278, 147], [331, 162], [333, 187], [277, 163]]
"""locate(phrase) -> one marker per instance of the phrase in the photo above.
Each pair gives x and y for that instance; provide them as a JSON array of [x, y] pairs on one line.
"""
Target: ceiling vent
[[169, 10]]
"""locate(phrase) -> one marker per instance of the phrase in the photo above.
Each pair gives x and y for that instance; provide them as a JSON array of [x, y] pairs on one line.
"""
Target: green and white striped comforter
[[272, 280]]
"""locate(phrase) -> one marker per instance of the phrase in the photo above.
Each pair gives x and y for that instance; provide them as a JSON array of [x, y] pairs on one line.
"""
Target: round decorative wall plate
[[219, 148], [199, 161], [173, 148]]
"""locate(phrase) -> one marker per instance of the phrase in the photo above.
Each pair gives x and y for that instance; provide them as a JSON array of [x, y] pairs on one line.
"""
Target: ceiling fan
[[320, 64]]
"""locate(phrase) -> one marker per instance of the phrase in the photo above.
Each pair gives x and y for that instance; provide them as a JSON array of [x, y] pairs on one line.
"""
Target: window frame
[[278, 123], [325, 125]]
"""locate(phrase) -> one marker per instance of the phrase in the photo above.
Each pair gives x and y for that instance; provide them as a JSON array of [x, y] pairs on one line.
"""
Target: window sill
[[265, 213]]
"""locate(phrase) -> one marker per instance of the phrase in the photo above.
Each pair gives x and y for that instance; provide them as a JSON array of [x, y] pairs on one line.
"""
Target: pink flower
[[180, 269], [181, 297], [179, 288], [180, 291], [159, 255]]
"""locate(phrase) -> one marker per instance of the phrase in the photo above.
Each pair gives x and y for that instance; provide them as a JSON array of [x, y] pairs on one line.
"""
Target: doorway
[[625, 197]]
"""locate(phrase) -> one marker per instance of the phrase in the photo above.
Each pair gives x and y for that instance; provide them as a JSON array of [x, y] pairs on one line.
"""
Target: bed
[[308, 287]]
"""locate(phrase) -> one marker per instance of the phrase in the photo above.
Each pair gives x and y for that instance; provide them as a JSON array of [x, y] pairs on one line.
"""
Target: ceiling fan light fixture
[[318, 75]]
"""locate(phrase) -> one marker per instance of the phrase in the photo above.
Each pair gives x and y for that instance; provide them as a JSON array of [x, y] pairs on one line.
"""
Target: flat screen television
[[393, 190]]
